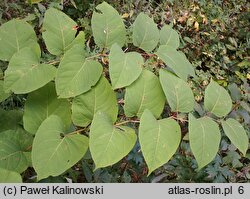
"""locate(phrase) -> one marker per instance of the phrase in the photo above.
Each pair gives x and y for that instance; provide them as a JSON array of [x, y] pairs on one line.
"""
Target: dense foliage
[[109, 97]]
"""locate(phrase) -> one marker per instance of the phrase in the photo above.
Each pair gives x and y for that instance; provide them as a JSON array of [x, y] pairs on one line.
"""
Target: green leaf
[[107, 26], [41, 104], [100, 98], [76, 74], [54, 151], [3, 94], [108, 143], [232, 158], [169, 37], [144, 93], [236, 133], [178, 93], [217, 100], [176, 60], [124, 68], [159, 140], [34, 1], [204, 137], [234, 91], [25, 73], [15, 35], [9, 176], [245, 106], [145, 33], [58, 31], [13, 146], [10, 120], [79, 40]]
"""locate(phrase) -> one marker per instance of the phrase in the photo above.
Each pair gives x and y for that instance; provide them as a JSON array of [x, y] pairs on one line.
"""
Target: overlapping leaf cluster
[[78, 92]]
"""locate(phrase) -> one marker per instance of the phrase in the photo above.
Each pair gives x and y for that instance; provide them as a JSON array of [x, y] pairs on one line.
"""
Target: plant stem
[[128, 121], [94, 56], [53, 62], [148, 54], [28, 148], [75, 132], [180, 119], [234, 108]]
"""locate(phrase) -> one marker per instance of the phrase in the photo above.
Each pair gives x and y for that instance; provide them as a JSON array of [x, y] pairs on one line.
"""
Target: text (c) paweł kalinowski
[[64, 190]]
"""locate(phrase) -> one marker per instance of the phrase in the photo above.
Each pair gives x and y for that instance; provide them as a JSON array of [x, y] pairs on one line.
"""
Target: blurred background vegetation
[[215, 36]]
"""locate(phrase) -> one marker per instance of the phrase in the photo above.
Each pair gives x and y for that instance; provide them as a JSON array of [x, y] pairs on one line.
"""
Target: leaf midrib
[[216, 102], [234, 132], [122, 70], [203, 141], [82, 67], [157, 143]]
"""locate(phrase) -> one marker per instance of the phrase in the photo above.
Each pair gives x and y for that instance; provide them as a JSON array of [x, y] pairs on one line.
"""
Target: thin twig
[[234, 108], [75, 132], [148, 54], [53, 62], [94, 56], [128, 121], [28, 148], [180, 119]]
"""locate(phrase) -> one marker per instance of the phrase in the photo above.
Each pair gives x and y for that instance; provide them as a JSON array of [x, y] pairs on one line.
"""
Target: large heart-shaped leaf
[[144, 93], [169, 37], [179, 95], [10, 120], [53, 150], [236, 133], [58, 31], [80, 40], [204, 137], [76, 74], [100, 98], [176, 60], [124, 68], [15, 35], [107, 26], [217, 100], [9, 176], [159, 140], [41, 104], [14, 146], [145, 33], [25, 73], [3, 94], [108, 143]]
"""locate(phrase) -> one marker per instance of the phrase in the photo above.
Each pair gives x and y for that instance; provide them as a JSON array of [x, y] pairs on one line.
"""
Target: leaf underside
[[108, 143], [87, 104], [204, 136], [217, 100], [159, 140], [144, 93], [57, 152]]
